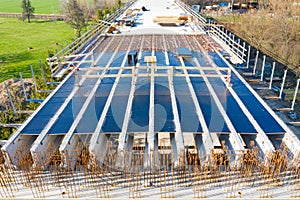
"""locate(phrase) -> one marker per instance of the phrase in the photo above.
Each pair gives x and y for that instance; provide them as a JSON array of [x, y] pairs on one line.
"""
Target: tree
[[75, 15], [28, 10]]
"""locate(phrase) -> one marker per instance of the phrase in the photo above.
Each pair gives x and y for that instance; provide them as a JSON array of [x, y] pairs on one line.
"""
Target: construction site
[[151, 106]]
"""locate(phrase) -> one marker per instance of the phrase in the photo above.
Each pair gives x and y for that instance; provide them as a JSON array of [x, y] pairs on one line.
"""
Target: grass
[[41, 6], [17, 37]]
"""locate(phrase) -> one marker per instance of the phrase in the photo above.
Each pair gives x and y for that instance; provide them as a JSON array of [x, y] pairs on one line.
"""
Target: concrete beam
[[69, 139], [97, 133], [123, 135]]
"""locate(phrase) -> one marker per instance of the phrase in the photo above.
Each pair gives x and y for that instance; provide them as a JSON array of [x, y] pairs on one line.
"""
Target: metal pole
[[272, 74], [243, 52], [248, 58], [10, 99], [295, 95], [263, 69], [23, 86], [226, 36], [233, 41], [93, 59], [43, 73], [238, 47], [33, 77], [255, 64], [282, 84]]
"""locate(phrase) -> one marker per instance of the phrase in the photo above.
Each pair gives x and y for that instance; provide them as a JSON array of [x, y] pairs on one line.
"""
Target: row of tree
[[275, 28], [78, 13]]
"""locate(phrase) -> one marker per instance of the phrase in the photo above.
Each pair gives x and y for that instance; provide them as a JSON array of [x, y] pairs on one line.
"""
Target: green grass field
[[16, 38], [41, 6]]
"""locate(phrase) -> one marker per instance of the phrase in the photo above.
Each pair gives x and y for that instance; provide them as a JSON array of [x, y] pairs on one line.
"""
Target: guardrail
[[230, 39], [191, 11], [221, 33], [77, 45]]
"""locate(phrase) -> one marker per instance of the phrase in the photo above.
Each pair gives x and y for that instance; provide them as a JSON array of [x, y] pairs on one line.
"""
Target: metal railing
[[187, 8], [77, 45], [222, 34]]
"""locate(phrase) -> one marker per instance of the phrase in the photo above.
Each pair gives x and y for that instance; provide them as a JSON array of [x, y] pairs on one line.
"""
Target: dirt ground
[[16, 91]]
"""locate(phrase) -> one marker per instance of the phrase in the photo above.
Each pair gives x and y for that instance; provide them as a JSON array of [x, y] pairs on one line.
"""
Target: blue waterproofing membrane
[[91, 116], [239, 120], [217, 59], [162, 71], [201, 58], [174, 61], [104, 59], [144, 53], [212, 115], [115, 115], [209, 72], [142, 63], [118, 59], [258, 111], [163, 112], [184, 51], [139, 119], [188, 62], [88, 58], [65, 120], [40, 120], [160, 57], [126, 71], [186, 110]]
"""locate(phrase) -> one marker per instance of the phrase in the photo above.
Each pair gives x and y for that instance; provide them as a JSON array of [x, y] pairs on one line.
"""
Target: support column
[[93, 59], [295, 95], [100, 151], [272, 75], [263, 69], [151, 134], [248, 58], [243, 52], [255, 65], [123, 135], [282, 84], [23, 87], [178, 134], [33, 78], [10, 99], [43, 72]]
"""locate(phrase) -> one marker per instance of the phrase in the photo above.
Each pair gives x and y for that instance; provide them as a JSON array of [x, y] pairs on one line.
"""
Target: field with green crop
[[23, 44], [41, 6]]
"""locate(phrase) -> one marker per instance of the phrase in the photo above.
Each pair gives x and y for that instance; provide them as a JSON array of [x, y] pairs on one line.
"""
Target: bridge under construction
[[151, 106]]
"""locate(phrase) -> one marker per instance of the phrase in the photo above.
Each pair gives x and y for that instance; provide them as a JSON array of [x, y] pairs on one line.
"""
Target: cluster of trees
[[79, 12], [276, 28]]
